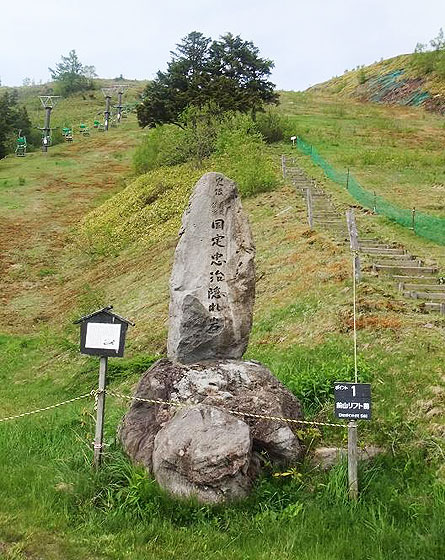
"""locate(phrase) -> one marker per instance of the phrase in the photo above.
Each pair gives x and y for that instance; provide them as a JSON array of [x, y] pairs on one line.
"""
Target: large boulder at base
[[204, 452], [212, 285], [231, 385]]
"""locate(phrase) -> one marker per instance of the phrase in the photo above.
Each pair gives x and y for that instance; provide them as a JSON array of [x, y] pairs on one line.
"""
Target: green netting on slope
[[427, 226]]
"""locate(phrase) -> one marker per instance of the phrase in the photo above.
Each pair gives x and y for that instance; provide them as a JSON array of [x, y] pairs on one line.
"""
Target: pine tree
[[227, 75]]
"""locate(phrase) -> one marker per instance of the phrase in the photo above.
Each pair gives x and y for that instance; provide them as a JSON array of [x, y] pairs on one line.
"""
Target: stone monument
[[209, 445], [212, 286]]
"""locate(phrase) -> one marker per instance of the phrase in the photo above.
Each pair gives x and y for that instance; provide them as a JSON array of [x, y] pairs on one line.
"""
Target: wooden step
[[431, 296], [425, 295], [372, 243], [363, 248], [325, 215], [416, 279], [383, 250], [438, 288], [434, 306], [405, 270], [377, 257], [398, 263]]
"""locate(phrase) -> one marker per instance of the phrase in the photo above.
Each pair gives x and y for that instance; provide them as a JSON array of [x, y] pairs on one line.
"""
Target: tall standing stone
[[212, 286]]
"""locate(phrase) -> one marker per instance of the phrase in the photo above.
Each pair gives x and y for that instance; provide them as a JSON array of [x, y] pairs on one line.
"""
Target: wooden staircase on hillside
[[413, 278]]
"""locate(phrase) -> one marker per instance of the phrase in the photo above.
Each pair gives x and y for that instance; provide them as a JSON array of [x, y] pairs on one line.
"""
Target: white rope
[[21, 415], [235, 412], [94, 393], [354, 257]]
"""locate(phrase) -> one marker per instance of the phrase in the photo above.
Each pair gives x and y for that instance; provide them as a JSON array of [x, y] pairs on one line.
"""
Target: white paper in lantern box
[[103, 336]]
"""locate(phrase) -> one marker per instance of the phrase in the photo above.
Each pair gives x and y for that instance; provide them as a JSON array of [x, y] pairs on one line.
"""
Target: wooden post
[[347, 180], [98, 438], [354, 243], [283, 165], [352, 460], [309, 207]]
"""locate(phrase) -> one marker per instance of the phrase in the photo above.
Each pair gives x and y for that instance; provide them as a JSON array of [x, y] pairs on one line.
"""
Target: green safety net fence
[[427, 226]]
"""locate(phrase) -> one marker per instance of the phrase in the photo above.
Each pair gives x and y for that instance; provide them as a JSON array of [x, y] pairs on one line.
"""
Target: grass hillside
[[394, 151], [411, 79], [79, 231], [69, 111], [80, 107]]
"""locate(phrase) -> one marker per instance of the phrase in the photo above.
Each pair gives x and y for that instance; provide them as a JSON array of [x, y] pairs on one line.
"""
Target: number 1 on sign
[[353, 390]]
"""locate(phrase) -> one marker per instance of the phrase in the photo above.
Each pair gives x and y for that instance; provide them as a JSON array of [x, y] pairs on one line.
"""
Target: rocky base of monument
[[203, 449]]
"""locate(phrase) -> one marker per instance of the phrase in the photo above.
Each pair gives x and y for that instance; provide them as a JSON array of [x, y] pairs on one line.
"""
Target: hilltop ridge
[[399, 80]]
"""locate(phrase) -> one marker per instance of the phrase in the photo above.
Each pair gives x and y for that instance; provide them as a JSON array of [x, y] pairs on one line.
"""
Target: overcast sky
[[309, 41]]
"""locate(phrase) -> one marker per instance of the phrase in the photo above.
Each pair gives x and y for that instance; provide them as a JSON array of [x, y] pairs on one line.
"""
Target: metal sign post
[[102, 334], [99, 435]]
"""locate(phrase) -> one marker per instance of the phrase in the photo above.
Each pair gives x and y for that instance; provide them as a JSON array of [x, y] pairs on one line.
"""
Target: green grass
[[395, 151], [67, 510], [53, 505]]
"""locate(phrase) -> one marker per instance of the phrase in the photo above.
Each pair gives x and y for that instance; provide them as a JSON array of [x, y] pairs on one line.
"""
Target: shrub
[[362, 77], [164, 145], [272, 126], [240, 153]]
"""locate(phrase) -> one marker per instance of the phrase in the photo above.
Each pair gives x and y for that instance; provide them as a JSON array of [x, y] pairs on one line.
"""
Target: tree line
[[13, 118], [226, 74], [203, 75]]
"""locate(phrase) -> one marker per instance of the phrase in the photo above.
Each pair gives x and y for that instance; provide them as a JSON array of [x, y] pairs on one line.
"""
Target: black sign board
[[352, 400], [102, 333]]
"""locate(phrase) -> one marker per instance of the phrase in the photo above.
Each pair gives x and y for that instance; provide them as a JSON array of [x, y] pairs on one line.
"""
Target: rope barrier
[[94, 393], [90, 394], [234, 412]]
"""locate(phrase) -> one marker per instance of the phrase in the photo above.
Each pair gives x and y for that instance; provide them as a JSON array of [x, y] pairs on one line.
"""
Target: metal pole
[[347, 180], [98, 438], [375, 203], [309, 207], [46, 129], [414, 218], [352, 460], [119, 106], [107, 111]]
